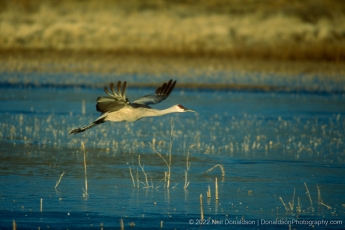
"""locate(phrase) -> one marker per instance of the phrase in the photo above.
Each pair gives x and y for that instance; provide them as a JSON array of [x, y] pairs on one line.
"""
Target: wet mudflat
[[276, 148]]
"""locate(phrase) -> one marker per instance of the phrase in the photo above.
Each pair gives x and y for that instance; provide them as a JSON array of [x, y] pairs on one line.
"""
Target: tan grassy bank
[[280, 35]]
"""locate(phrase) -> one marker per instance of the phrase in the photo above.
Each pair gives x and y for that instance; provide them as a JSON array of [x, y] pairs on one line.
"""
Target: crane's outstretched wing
[[161, 94], [116, 100]]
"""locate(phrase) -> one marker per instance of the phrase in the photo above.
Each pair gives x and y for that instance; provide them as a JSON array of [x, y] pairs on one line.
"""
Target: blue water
[[269, 143]]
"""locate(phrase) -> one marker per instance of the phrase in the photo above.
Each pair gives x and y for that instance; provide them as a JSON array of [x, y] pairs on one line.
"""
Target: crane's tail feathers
[[80, 130]]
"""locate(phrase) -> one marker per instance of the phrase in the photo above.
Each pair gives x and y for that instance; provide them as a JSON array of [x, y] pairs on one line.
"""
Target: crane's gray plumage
[[117, 107]]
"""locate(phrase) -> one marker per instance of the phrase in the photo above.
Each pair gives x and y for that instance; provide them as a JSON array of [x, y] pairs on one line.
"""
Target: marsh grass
[[167, 174], [290, 207], [296, 30]]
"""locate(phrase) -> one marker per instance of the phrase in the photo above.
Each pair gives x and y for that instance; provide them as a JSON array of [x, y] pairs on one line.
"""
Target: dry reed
[[166, 174], [122, 226], [291, 204], [138, 180], [168, 163], [216, 188], [208, 192], [14, 225], [145, 174], [217, 165], [286, 208], [58, 182], [186, 182], [83, 109], [319, 199], [201, 208], [85, 174], [130, 172], [308, 194], [41, 204], [170, 149], [299, 207]]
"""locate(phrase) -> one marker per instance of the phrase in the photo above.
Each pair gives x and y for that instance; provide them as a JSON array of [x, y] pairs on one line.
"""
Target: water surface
[[269, 143]]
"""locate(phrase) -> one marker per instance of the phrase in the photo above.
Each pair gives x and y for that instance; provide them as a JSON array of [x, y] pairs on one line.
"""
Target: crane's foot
[[75, 131]]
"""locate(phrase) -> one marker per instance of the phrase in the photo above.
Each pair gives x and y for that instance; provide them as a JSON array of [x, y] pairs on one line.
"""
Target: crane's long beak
[[188, 110]]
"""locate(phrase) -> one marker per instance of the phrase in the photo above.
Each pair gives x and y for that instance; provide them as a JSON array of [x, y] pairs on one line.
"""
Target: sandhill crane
[[117, 107]]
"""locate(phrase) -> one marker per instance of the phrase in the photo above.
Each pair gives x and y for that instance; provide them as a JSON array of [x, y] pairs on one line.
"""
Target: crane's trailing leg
[[93, 124]]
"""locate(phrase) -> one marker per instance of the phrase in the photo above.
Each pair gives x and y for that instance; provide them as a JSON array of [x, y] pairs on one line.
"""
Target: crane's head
[[181, 109]]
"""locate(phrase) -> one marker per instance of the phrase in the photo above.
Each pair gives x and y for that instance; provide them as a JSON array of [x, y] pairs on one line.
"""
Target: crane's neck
[[155, 112], [130, 114]]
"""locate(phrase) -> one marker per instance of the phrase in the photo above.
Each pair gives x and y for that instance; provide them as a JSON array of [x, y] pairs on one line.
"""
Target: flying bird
[[117, 107]]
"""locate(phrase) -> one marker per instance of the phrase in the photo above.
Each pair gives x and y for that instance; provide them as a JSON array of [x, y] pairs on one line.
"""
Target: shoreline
[[79, 68], [108, 61]]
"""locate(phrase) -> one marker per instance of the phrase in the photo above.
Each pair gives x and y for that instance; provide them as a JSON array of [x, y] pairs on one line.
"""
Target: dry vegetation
[[311, 30]]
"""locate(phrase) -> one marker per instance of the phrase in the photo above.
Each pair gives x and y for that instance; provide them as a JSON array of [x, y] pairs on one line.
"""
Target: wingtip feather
[[124, 87]]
